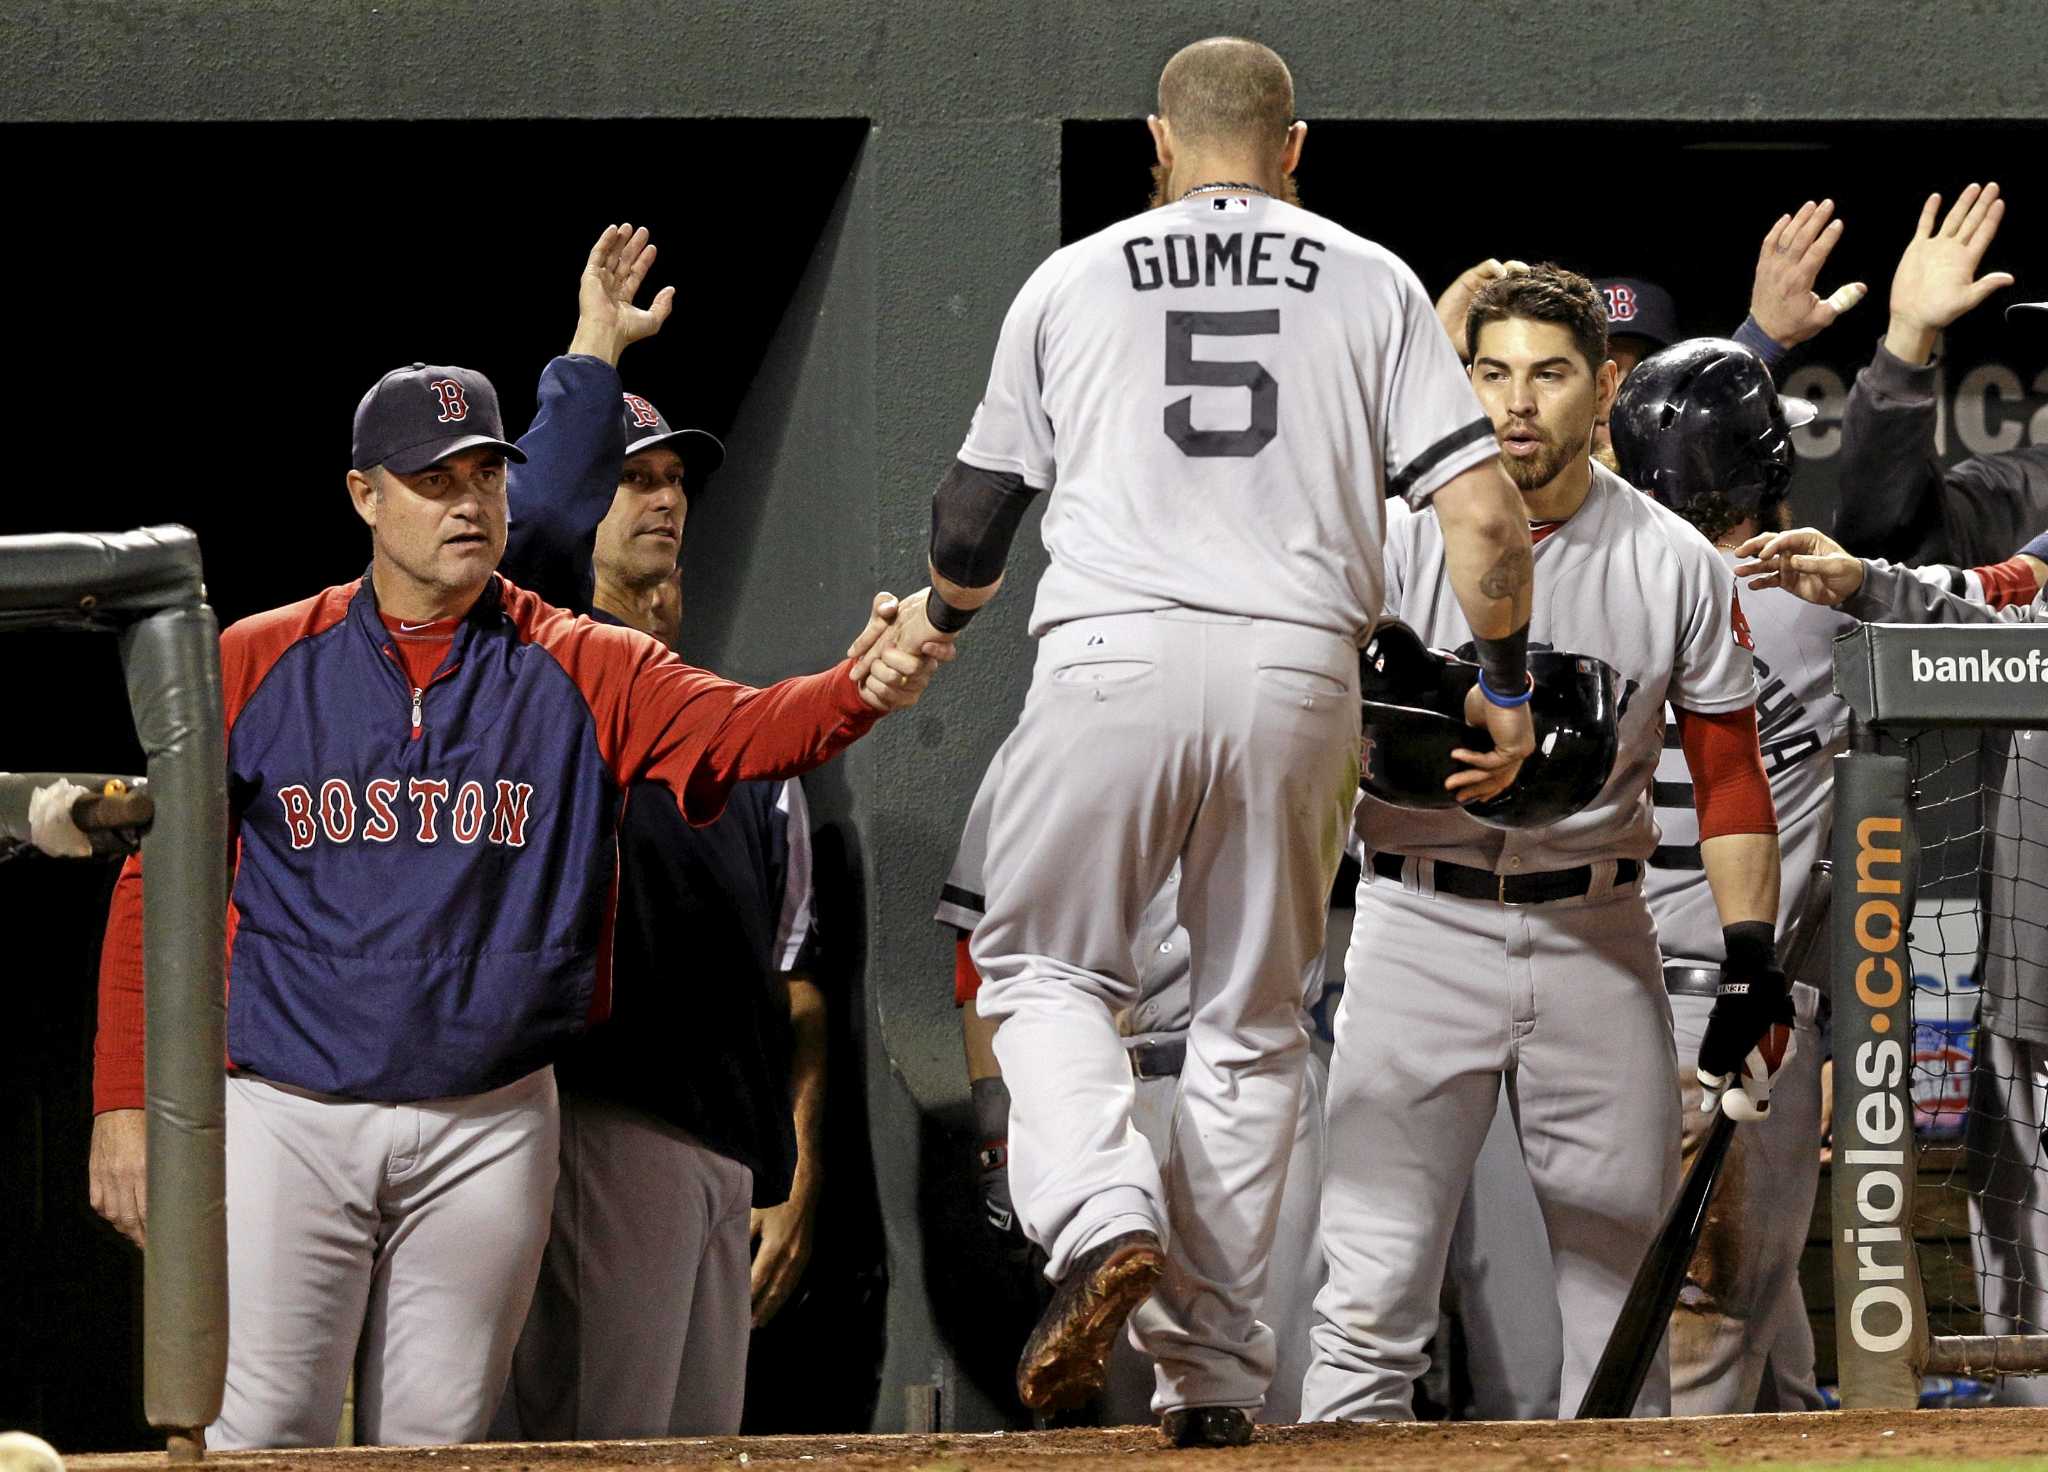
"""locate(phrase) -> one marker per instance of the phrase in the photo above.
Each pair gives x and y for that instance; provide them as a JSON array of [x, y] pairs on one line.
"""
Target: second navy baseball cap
[[422, 414], [702, 452], [1639, 309]]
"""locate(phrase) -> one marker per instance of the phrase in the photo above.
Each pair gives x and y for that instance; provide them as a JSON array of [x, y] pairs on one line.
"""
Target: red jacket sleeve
[[117, 1049], [1731, 794], [697, 734]]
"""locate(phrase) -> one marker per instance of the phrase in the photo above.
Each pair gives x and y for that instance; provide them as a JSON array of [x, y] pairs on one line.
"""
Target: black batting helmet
[[1413, 708], [1702, 417]]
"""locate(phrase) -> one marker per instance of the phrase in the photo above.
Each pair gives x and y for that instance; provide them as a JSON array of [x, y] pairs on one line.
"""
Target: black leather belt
[[1468, 883], [1157, 1057], [1692, 981]]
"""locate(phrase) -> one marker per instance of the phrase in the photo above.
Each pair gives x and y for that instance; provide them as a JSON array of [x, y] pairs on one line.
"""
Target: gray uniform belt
[[1692, 981], [1157, 1057], [1469, 883]]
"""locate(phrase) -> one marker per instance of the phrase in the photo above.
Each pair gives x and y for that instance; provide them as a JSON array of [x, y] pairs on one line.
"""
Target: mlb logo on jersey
[[1231, 204]]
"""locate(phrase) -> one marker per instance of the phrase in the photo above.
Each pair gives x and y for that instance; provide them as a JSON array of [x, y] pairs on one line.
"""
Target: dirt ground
[[2006, 1437]]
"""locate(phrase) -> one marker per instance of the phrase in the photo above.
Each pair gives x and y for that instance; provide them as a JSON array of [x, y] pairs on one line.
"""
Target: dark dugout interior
[[1685, 206], [198, 308]]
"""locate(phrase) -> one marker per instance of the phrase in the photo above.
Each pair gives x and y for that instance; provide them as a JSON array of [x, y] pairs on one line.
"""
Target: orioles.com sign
[[1881, 1315]]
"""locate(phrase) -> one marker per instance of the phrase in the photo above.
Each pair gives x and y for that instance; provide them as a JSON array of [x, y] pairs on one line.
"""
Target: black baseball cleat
[[1066, 1358], [1206, 1426]]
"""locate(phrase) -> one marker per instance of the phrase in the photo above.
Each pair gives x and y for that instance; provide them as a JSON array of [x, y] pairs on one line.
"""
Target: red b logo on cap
[[453, 405], [1621, 304], [644, 416]]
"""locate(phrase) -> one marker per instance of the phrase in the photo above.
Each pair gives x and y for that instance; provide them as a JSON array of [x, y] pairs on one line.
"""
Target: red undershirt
[[420, 647]]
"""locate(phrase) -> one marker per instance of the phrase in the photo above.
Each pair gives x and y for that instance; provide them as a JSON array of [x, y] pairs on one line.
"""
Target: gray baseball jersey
[[1239, 385], [2015, 978], [1802, 725], [1623, 580]]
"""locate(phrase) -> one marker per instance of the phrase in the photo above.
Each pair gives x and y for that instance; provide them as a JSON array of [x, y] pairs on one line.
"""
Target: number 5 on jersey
[[1184, 369]]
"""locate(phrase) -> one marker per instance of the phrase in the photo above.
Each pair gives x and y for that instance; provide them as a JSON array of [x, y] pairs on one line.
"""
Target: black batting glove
[[1749, 1034]]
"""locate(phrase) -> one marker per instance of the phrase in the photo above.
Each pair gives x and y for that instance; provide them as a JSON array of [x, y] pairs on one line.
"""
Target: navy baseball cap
[[2030, 308], [702, 452], [1639, 309], [419, 415]]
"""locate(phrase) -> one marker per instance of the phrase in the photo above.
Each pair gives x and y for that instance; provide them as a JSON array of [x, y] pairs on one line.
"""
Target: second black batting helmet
[[1702, 417], [1413, 705]]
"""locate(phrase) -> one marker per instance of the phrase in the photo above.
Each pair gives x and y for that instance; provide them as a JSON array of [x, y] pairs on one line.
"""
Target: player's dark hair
[[1713, 513], [1228, 91], [1545, 293]]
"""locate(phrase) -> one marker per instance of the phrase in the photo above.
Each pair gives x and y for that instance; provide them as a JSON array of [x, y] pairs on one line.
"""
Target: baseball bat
[[1646, 1312]]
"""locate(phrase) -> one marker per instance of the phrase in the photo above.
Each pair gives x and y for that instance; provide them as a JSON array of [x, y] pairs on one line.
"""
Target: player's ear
[[363, 495], [1609, 381], [1290, 152], [1162, 139]]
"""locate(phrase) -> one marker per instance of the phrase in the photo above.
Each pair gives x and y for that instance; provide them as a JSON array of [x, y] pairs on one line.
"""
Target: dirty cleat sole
[[1206, 1426], [1065, 1360]]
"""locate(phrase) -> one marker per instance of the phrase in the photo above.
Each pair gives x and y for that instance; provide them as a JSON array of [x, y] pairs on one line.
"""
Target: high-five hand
[[1782, 298], [607, 322]]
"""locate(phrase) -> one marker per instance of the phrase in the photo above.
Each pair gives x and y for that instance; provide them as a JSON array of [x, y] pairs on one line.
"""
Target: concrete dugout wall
[[952, 201]]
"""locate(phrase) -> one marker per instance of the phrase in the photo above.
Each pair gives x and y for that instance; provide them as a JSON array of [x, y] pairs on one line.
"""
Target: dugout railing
[[145, 589], [1917, 805]]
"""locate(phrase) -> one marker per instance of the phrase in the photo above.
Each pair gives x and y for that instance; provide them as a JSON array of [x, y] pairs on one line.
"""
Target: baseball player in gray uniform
[[1481, 955], [1155, 1034], [1225, 390], [2008, 1118], [1702, 429]]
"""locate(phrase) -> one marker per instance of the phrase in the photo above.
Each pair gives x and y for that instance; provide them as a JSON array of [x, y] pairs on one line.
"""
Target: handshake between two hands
[[896, 655]]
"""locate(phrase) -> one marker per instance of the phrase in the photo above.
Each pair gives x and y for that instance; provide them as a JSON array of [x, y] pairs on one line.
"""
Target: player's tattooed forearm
[[1508, 576]]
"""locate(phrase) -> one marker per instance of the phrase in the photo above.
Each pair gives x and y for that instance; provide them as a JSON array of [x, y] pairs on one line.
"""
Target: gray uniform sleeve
[[963, 898], [1714, 670], [1435, 428], [1896, 501], [1898, 595], [1011, 433]]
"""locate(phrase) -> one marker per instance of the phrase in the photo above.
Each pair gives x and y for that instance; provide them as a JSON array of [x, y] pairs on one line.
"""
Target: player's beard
[[1160, 178], [1534, 472]]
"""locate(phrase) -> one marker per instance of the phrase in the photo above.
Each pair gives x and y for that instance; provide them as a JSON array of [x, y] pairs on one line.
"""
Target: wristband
[[943, 616], [1505, 663], [1750, 945], [1493, 698]]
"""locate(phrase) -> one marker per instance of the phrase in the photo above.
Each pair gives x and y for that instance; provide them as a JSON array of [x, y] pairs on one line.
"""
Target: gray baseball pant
[[401, 1238], [1232, 745], [1444, 997], [1292, 1280], [642, 1317]]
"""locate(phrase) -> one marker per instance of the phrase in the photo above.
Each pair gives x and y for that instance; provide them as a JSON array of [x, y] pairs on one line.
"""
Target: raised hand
[[1936, 281], [1805, 563], [1456, 301], [1782, 298], [607, 322]]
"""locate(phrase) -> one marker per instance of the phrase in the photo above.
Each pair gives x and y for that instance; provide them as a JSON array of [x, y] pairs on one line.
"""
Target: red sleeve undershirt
[[2008, 584], [966, 980], [1730, 792]]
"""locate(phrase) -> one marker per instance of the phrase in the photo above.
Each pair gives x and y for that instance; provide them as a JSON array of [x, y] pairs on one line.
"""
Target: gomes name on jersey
[[1213, 259], [334, 814]]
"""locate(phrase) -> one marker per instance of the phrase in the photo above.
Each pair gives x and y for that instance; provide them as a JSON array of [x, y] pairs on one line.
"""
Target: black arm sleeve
[[974, 519]]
